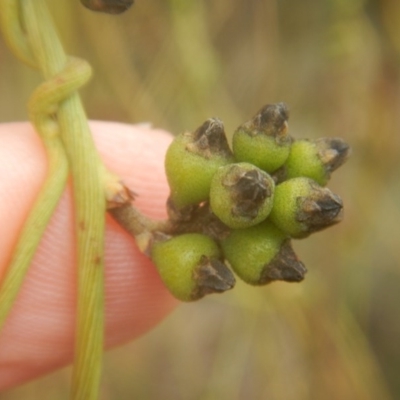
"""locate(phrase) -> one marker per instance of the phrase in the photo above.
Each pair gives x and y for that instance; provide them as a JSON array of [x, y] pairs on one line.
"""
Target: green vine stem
[[13, 32], [48, 197], [28, 29], [89, 205], [41, 108]]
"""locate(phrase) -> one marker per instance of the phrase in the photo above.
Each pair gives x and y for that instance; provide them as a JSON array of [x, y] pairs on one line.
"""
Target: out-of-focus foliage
[[336, 63]]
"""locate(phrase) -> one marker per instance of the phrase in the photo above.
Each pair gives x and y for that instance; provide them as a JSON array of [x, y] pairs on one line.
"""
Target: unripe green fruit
[[301, 207], [316, 159], [264, 140], [262, 254], [241, 195], [191, 161], [190, 266]]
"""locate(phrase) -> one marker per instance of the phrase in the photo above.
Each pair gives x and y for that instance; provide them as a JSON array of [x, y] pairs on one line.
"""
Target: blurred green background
[[336, 63]]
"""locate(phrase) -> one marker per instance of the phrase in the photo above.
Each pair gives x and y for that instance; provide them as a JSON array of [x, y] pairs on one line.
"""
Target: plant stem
[[201, 220], [89, 203], [87, 175], [13, 32], [43, 99], [39, 216]]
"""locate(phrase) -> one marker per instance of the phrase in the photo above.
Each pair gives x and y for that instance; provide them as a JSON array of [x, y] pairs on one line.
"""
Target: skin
[[38, 336]]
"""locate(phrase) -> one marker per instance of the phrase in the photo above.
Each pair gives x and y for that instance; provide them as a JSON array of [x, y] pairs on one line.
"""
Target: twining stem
[[89, 203], [43, 100], [44, 204], [29, 31]]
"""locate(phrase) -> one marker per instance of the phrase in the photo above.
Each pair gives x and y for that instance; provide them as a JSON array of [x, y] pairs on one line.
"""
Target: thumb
[[38, 335]]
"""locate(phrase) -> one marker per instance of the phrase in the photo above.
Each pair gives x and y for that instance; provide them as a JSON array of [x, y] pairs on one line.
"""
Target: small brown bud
[[108, 6], [333, 152], [211, 276], [320, 209], [209, 139], [285, 266], [271, 120]]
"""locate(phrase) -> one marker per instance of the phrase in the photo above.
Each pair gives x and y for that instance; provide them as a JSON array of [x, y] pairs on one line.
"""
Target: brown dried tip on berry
[[271, 120], [241, 195], [209, 140], [211, 276], [108, 6], [333, 152], [284, 267], [320, 210], [249, 192]]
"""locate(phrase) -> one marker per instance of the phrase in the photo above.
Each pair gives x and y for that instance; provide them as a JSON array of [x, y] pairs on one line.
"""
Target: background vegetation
[[336, 63]]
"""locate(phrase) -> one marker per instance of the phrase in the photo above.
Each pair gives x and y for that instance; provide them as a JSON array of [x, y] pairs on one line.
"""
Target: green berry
[[190, 266], [301, 207], [316, 159], [191, 161], [241, 195], [264, 140], [262, 254]]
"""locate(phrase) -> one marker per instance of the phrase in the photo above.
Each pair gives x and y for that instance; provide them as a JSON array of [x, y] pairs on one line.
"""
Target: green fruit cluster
[[241, 208]]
